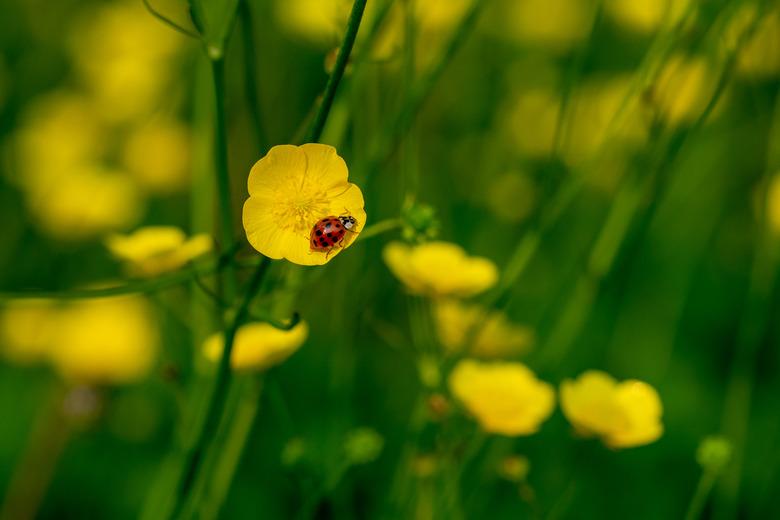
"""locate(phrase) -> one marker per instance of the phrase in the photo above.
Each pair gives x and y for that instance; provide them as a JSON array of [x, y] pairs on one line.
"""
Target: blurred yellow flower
[[684, 87], [290, 190], [532, 121], [603, 111], [157, 154], [623, 414], [26, 330], [511, 196], [505, 398], [439, 269], [645, 16], [85, 203], [760, 56], [105, 341], [554, 25], [124, 57], [153, 250], [496, 336], [258, 346], [58, 132], [319, 21]]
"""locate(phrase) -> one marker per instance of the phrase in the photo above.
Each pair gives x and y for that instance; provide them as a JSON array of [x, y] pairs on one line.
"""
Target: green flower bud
[[714, 453], [363, 445]]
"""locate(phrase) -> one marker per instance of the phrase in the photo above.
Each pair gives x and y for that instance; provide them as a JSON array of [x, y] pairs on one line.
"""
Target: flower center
[[299, 209]]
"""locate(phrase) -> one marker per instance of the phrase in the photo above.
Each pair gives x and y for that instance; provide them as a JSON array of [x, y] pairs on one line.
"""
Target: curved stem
[[699, 499], [383, 226], [170, 23], [342, 59], [142, 286]]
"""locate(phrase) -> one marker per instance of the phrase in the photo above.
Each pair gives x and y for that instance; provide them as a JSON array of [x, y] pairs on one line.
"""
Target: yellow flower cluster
[[154, 250], [106, 341], [494, 336], [290, 190], [85, 157], [258, 346], [444, 272], [507, 399], [622, 414]]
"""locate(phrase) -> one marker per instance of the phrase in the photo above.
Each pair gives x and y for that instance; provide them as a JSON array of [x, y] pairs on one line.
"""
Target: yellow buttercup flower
[[152, 250], [623, 414], [439, 269], [290, 190], [505, 398], [105, 341], [26, 330], [496, 336], [258, 346]]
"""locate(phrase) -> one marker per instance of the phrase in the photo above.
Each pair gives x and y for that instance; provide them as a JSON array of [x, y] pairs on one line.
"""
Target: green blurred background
[[630, 146]]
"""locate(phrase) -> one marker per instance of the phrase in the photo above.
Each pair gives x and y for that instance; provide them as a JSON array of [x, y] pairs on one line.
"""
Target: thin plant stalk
[[229, 284], [699, 499]]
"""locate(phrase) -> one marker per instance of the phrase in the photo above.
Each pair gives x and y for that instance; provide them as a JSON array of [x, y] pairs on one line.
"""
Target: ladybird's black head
[[348, 221]]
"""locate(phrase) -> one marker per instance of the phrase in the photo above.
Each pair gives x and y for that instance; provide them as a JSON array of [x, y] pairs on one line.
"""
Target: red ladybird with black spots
[[329, 232]]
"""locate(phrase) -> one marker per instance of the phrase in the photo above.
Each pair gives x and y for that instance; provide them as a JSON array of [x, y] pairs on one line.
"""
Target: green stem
[[141, 286], [699, 498], [226, 453], [228, 280], [353, 24], [218, 395], [380, 227]]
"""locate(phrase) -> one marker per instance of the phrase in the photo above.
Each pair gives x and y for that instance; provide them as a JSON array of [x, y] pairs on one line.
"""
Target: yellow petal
[[324, 166], [271, 171]]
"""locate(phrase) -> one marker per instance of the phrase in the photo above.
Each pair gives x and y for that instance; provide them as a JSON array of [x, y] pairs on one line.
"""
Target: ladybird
[[328, 233]]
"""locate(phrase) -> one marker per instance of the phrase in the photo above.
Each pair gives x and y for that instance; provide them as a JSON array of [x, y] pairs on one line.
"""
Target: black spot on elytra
[[319, 232]]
